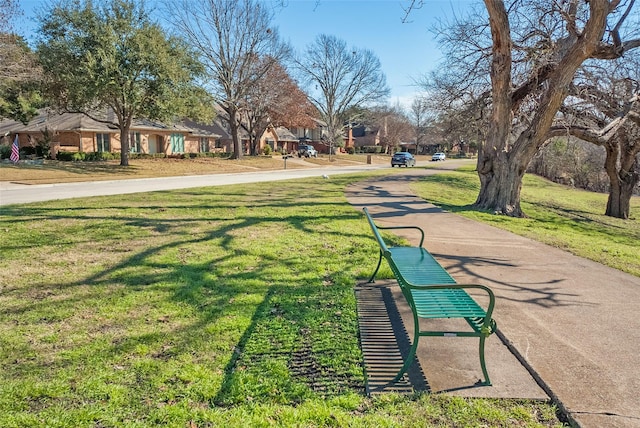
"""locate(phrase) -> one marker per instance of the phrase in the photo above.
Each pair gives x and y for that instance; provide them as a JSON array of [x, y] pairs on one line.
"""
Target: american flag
[[15, 150]]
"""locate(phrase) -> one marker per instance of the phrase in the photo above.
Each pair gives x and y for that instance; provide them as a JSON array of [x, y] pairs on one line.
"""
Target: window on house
[[204, 144], [218, 144], [134, 142], [177, 143], [103, 142]]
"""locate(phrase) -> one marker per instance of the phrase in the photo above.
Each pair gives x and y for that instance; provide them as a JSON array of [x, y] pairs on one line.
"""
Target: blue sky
[[406, 51]]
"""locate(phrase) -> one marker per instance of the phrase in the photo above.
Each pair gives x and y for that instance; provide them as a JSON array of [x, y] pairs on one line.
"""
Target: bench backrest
[[376, 233]]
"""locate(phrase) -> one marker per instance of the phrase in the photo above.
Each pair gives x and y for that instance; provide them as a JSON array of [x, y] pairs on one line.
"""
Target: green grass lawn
[[224, 306], [563, 217]]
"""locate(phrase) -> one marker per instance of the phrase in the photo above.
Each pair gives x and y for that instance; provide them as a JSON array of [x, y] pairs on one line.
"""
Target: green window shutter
[[177, 143]]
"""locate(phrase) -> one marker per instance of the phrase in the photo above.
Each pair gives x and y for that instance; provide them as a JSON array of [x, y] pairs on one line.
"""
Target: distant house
[[279, 139], [312, 136], [222, 142], [363, 136], [76, 132], [411, 147]]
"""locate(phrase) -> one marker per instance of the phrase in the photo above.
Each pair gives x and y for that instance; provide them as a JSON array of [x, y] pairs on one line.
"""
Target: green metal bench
[[432, 293]]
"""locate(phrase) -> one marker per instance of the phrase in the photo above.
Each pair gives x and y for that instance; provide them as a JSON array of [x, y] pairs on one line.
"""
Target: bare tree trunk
[[622, 181], [619, 201], [500, 185], [253, 137], [234, 128]]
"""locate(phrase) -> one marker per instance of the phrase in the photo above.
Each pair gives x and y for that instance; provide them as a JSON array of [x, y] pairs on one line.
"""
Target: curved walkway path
[[574, 323]]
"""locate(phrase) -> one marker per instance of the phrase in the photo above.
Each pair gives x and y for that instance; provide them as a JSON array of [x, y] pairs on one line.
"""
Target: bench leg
[[412, 355], [482, 362], [372, 279], [412, 351]]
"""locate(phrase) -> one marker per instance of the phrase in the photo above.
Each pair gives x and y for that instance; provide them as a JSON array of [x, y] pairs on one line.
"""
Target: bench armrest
[[405, 227], [492, 297]]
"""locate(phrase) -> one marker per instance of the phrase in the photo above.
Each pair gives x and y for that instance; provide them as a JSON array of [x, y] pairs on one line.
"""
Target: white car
[[438, 157], [307, 151]]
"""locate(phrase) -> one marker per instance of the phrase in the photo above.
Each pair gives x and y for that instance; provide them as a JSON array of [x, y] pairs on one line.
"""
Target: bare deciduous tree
[[530, 50], [394, 126], [275, 100], [601, 110], [458, 107], [237, 45], [421, 117], [574, 32], [9, 10], [338, 79]]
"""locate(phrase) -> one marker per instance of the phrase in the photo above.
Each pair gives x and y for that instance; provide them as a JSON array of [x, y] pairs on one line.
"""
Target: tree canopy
[[20, 72], [237, 45], [109, 61], [276, 100]]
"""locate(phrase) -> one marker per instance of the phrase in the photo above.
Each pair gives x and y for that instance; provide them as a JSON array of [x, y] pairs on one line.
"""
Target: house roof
[[285, 135], [52, 120], [213, 128], [48, 119]]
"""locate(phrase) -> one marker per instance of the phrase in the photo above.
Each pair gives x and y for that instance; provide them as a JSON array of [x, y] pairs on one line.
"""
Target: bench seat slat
[[446, 303], [419, 267]]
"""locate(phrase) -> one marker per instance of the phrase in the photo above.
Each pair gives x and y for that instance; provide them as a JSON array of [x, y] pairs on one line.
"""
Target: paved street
[[20, 193]]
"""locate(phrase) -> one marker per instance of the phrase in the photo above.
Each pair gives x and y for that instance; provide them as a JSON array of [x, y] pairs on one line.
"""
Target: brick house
[[76, 132]]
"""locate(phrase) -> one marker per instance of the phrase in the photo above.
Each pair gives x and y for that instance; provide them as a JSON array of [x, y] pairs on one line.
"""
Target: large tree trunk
[[623, 177], [234, 128], [494, 159], [619, 202], [500, 184], [506, 153]]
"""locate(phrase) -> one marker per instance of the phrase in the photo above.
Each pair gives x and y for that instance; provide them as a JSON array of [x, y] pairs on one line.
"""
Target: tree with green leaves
[[109, 61], [20, 73]]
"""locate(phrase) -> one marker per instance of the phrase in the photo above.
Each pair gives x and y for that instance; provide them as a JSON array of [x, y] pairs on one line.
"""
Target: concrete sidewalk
[[574, 323]]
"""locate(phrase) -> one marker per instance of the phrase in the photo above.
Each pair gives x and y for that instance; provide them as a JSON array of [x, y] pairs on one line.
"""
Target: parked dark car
[[403, 158]]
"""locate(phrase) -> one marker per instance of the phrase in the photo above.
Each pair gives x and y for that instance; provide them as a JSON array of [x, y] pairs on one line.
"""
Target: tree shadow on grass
[[300, 343], [259, 321]]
